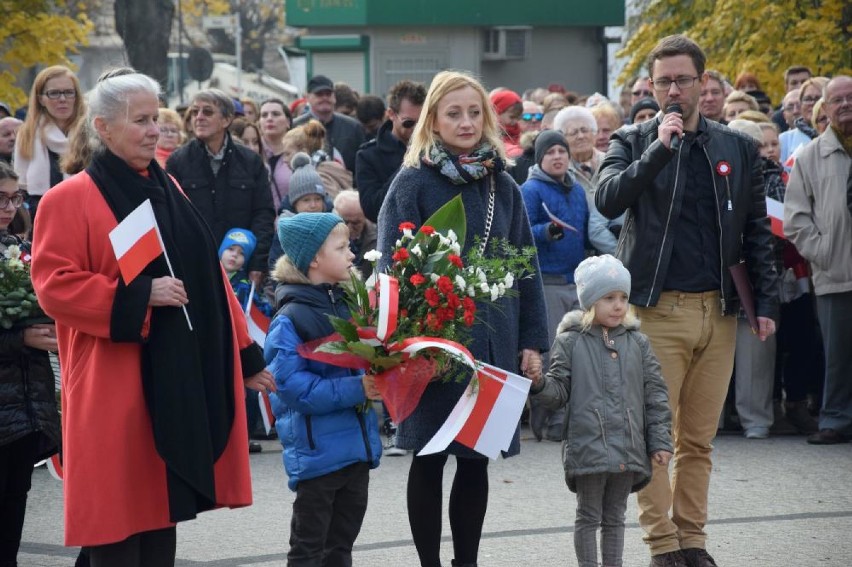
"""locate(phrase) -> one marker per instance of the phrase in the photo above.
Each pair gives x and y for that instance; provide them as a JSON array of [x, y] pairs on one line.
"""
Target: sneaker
[[391, 450], [697, 557], [670, 559], [757, 433]]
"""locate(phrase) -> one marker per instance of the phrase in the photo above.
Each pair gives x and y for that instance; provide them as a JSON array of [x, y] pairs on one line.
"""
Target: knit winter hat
[[597, 276], [243, 238], [644, 104], [302, 236], [504, 99], [305, 180], [546, 140]]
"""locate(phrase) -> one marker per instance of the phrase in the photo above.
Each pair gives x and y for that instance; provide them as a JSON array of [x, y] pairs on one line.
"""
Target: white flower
[[452, 236], [398, 243], [481, 275], [456, 248], [484, 287], [462, 285], [501, 286], [495, 292], [434, 277], [471, 291], [416, 250], [372, 256], [407, 233], [509, 280], [13, 251], [443, 240]]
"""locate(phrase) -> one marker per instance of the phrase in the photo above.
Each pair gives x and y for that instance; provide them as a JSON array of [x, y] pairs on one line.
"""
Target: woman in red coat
[[154, 427]]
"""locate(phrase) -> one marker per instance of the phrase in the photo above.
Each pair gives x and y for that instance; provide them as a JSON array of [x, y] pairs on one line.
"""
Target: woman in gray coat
[[456, 150], [602, 368]]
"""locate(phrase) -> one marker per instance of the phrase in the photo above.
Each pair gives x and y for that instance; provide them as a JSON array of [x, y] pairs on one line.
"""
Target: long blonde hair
[[423, 138], [630, 318], [29, 129]]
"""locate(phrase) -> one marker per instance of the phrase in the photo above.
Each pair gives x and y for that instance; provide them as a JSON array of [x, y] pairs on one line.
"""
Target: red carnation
[[468, 317], [453, 301], [406, 226], [401, 255], [417, 279], [455, 260], [432, 297], [444, 314], [433, 322], [445, 284], [427, 230]]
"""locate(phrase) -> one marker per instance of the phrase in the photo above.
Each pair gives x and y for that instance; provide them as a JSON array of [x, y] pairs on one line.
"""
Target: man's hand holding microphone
[[670, 130]]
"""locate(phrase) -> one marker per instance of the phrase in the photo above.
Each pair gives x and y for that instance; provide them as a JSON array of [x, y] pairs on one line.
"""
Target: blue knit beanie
[[243, 238], [302, 236]]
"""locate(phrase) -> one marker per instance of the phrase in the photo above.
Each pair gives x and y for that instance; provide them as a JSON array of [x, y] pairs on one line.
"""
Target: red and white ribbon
[[388, 306]]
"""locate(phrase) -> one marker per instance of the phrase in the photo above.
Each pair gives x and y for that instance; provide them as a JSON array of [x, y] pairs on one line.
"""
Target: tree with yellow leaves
[[760, 37], [36, 32]]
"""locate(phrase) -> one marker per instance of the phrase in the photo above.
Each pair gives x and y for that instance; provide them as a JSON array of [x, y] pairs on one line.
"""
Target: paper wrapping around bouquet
[[402, 386]]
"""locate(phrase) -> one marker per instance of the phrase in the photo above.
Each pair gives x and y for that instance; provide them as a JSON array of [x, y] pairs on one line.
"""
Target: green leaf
[[346, 329], [333, 347], [363, 350], [449, 217]]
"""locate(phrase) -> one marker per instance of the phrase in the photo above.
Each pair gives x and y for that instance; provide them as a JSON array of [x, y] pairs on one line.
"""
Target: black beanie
[[644, 104], [546, 140]]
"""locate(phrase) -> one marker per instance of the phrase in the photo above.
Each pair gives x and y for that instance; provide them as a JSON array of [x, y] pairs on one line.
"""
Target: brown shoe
[[670, 559], [827, 437], [697, 557], [799, 417]]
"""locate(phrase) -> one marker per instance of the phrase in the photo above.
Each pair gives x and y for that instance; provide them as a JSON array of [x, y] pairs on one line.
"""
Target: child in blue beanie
[[234, 253], [329, 434]]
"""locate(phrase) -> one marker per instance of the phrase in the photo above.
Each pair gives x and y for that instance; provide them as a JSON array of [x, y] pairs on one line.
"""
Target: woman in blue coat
[[456, 150]]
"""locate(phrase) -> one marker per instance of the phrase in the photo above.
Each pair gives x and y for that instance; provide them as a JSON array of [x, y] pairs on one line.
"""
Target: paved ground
[[773, 503]]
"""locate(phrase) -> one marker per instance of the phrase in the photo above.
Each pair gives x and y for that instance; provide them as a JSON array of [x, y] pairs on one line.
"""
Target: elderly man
[[693, 192], [8, 134], [226, 181], [818, 221], [640, 90], [342, 133], [362, 232]]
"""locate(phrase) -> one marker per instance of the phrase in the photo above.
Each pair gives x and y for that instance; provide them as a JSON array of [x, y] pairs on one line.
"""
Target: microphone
[[675, 141]]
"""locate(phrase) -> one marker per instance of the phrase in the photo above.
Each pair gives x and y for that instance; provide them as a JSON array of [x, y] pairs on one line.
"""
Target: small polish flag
[[775, 212], [258, 323], [266, 411], [54, 466], [136, 241]]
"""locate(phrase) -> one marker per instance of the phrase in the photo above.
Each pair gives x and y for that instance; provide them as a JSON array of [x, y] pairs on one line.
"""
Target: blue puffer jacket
[[317, 406], [567, 201]]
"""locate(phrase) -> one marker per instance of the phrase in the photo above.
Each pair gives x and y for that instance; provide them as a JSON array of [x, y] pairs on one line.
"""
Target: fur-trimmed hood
[[573, 321]]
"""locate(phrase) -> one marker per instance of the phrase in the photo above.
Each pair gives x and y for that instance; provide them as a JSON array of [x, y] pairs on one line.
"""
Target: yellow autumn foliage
[[757, 36], [36, 32]]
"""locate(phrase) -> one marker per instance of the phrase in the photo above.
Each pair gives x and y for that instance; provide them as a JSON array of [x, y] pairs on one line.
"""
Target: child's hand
[[261, 381], [370, 390], [531, 364], [662, 457]]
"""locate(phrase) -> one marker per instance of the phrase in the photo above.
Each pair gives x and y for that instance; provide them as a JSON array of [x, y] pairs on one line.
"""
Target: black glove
[[554, 231]]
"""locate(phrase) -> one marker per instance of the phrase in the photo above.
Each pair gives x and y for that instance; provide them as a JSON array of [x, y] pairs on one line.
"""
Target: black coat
[[375, 166], [237, 197], [643, 177]]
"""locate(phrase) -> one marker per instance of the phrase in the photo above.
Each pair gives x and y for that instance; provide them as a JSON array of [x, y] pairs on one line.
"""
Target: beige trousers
[[695, 345]]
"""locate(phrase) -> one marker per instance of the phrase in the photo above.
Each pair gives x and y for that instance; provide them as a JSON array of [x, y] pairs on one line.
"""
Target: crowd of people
[[654, 199]]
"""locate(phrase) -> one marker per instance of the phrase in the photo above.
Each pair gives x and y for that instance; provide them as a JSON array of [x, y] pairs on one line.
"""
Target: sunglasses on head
[[410, 123], [532, 116]]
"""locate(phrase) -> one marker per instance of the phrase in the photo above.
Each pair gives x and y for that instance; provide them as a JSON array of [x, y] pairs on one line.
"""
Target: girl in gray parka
[[603, 369]]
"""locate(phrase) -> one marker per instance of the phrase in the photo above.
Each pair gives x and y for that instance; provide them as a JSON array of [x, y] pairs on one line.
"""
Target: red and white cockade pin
[[723, 168]]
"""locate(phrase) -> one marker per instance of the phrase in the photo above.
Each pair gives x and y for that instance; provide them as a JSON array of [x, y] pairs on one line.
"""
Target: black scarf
[[187, 375]]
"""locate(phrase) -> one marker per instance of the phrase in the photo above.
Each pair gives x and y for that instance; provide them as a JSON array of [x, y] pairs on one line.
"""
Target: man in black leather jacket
[[693, 192]]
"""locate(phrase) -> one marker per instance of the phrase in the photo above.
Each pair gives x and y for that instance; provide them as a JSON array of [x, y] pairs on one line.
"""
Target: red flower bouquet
[[416, 318]]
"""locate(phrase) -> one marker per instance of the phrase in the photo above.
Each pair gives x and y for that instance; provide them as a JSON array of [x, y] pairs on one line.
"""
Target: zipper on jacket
[[719, 219], [630, 426], [364, 435], [603, 428], [666, 230], [309, 430]]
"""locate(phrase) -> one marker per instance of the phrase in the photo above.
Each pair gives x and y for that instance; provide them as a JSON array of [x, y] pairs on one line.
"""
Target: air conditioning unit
[[506, 42]]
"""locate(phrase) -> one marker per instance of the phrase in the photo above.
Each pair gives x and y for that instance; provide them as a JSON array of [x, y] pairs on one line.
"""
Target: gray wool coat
[[618, 403], [502, 329]]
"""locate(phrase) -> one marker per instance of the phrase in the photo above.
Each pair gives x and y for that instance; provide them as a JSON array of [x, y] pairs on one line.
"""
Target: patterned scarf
[[465, 168]]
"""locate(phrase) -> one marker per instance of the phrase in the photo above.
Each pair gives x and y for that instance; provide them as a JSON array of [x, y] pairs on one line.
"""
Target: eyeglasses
[[169, 131], [55, 94], [410, 123], [17, 200], [577, 131], [810, 99], [840, 100], [642, 93], [207, 111], [663, 85], [532, 116]]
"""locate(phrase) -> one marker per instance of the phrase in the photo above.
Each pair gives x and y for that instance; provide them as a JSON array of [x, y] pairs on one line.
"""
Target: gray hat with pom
[[305, 180], [597, 276]]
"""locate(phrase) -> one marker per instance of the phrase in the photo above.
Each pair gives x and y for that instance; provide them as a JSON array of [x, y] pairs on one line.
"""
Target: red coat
[[115, 481]]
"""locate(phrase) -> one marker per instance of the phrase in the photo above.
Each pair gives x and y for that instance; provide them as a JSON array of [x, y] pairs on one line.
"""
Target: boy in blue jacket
[[330, 437]]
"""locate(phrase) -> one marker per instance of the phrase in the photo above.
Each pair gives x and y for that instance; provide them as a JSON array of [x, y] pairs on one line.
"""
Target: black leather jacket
[[643, 177]]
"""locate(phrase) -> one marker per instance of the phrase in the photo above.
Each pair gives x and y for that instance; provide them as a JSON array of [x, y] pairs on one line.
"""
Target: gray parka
[[618, 404]]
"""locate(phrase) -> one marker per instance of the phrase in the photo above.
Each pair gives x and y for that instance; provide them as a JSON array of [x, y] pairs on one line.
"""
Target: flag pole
[[171, 270], [250, 299]]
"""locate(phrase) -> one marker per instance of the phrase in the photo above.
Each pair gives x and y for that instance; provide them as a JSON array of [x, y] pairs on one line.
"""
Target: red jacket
[[115, 481]]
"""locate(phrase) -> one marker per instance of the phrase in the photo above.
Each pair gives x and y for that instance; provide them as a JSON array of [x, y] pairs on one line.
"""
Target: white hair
[[747, 127], [109, 100], [347, 196], [575, 114]]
